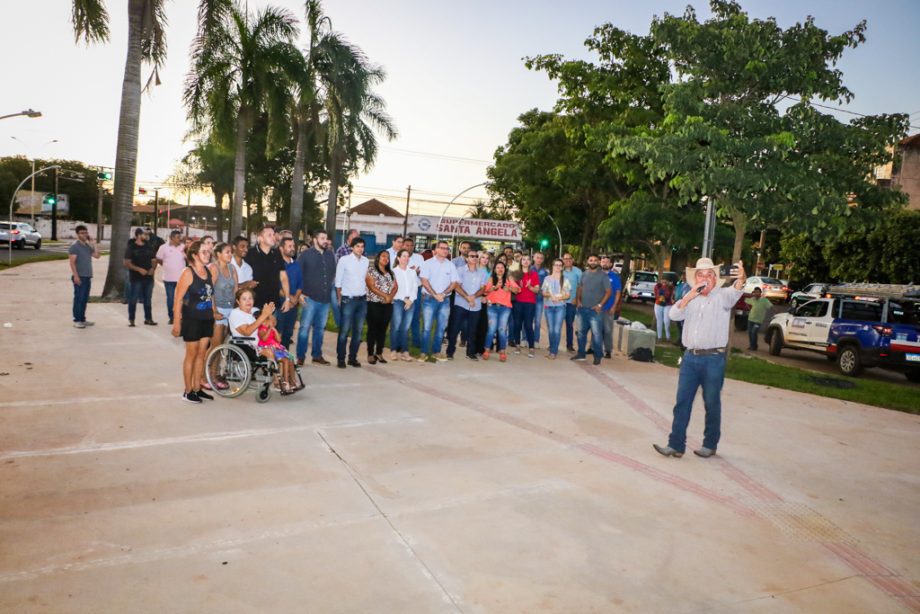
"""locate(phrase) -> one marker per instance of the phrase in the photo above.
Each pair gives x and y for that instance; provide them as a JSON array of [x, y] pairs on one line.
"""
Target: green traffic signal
[[544, 243], [104, 176], [49, 199]]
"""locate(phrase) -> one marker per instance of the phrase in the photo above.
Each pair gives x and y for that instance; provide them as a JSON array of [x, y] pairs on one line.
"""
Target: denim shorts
[[224, 311]]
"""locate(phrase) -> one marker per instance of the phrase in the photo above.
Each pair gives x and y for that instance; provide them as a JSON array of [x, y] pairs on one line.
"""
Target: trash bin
[[620, 330], [639, 338]]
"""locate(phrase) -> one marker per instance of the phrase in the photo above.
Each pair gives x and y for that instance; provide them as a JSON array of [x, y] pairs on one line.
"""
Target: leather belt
[[709, 352]]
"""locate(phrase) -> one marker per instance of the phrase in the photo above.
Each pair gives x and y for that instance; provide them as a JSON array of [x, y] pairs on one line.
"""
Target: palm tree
[[242, 65], [354, 114]]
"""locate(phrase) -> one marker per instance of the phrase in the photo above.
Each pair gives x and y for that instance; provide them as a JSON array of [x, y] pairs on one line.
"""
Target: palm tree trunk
[[239, 174], [219, 203], [129, 120], [740, 222], [296, 219], [334, 172]]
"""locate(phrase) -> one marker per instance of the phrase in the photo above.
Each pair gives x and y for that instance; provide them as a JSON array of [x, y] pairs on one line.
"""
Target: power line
[[839, 110], [428, 154]]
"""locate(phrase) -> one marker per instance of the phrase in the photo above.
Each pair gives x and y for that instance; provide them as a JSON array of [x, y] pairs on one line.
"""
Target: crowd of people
[[486, 303]]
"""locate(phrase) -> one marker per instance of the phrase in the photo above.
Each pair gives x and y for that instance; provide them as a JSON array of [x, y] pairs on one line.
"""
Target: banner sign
[[494, 230]]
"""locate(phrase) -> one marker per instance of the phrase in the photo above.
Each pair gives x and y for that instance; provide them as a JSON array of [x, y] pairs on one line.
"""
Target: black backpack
[[642, 355]]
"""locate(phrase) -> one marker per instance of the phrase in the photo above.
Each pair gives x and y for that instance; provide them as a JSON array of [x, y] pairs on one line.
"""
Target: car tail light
[[884, 331], [15, 231]]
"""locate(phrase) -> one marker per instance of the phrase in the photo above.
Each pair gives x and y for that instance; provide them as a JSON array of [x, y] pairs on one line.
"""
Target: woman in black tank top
[[195, 320]]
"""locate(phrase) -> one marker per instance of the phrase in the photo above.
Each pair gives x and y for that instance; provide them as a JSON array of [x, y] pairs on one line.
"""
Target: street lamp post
[[28, 113], [443, 213], [32, 199], [13, 200]]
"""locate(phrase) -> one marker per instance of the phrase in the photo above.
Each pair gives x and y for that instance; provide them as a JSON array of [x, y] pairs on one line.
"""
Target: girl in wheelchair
[[270, 343]]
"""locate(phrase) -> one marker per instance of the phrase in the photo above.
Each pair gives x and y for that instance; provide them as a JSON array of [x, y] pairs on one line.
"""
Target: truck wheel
[[913, 376], [776, 342], [848, 361]]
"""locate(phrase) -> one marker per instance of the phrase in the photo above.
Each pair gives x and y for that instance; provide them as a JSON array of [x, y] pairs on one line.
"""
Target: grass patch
[[754, 370], [37, 257]]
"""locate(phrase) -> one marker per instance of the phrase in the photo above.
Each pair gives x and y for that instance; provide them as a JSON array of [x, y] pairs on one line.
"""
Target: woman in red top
[[525, 306], [498, 292], [664, 298]]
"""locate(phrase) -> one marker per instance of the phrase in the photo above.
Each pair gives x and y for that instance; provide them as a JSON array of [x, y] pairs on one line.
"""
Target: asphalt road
[[30, 253], [800, 359]]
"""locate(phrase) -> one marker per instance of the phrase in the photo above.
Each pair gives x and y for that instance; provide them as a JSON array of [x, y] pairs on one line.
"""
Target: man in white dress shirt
[[351, 294]]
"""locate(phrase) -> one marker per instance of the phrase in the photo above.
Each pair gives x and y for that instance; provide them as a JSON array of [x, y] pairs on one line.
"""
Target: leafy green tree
[[242, 65], [208, 165], [724, 135]]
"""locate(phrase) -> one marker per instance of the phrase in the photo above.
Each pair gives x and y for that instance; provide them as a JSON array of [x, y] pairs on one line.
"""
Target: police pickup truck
[[858, 326]]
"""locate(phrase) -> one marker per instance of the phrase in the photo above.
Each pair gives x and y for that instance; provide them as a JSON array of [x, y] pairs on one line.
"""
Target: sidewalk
[[473, 487]]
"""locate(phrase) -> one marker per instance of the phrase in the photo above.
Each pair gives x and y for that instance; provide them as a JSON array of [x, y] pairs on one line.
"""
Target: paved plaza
[[459, 487]]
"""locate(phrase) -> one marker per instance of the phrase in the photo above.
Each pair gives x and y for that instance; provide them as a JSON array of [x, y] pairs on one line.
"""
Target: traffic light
[[142, 190], [104, 175], [544, 243], [50, 200]]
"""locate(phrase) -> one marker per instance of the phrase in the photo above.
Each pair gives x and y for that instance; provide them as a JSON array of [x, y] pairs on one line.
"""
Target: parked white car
[[20, 234], [641, 286]]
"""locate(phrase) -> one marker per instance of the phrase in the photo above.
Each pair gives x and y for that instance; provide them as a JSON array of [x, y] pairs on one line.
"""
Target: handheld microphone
[[699, 289]]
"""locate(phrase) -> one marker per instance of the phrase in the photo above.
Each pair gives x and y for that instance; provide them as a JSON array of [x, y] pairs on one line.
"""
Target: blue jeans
[[286, 321], [537, 319], [570, 326], [554, 318], [696, 371], [523, 318], [128, 287], [353, 313], [314, 314], [399, 326], [434, 315], [590, 320], [514, 325], [336, 310], [81, 298], [753, 330], [464, 321], [498, 325], [170, 297], [416, 326], [141, 290]]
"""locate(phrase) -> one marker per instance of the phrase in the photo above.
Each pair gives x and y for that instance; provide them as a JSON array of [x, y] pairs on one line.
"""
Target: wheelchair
[[237, 364]]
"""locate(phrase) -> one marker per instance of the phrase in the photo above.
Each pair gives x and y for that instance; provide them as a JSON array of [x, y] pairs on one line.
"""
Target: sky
[[456, 79]]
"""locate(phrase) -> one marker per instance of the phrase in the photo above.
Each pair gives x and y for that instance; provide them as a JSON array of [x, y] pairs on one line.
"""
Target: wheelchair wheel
[[230, 365], [265, 394]]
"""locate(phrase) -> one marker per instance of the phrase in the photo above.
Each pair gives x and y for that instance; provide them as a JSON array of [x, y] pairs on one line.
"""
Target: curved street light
[[13, 200], [28, 113], [443, 213], [32, 204]]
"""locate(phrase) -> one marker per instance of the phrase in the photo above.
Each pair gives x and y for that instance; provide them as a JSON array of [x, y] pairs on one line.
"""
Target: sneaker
[[704, 452], [79, 324], [88, 323], [406, 356], [431, 360], [441, 357], [551, 356], [340, 364], [371, 359], [149, 323], [502, 357], [606, 354], [530, 353], [381, 359], [300, 362], [485, 355], [570, 350], [201, 394], [473, 357], [170, 321], [190, 397], [394, 356], [321, 361], [354, 363], [597, 360], [667, 451], [579, 358], [517, 350], [131, 325], [450, 357]]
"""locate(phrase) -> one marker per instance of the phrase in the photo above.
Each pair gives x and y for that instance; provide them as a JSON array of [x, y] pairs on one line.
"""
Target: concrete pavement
[[472, 487]]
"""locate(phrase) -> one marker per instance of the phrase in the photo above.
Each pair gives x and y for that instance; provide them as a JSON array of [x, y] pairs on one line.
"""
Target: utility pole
[[100, 233], [156, 209], [406, 218], [709, 231], [54, 204], [188, 212]]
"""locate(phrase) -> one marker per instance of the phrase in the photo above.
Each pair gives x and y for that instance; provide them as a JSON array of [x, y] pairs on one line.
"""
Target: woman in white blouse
[[407, 290]]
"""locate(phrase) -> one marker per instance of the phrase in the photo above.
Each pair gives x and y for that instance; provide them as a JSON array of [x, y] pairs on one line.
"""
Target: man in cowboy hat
[[706, 311]]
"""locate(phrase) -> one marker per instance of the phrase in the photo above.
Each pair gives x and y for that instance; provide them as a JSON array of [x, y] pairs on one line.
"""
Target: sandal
[[221, 385], [286, 389], [206, 386]]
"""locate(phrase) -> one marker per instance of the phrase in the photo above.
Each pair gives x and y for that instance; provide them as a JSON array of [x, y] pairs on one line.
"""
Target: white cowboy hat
[[703, 263]]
